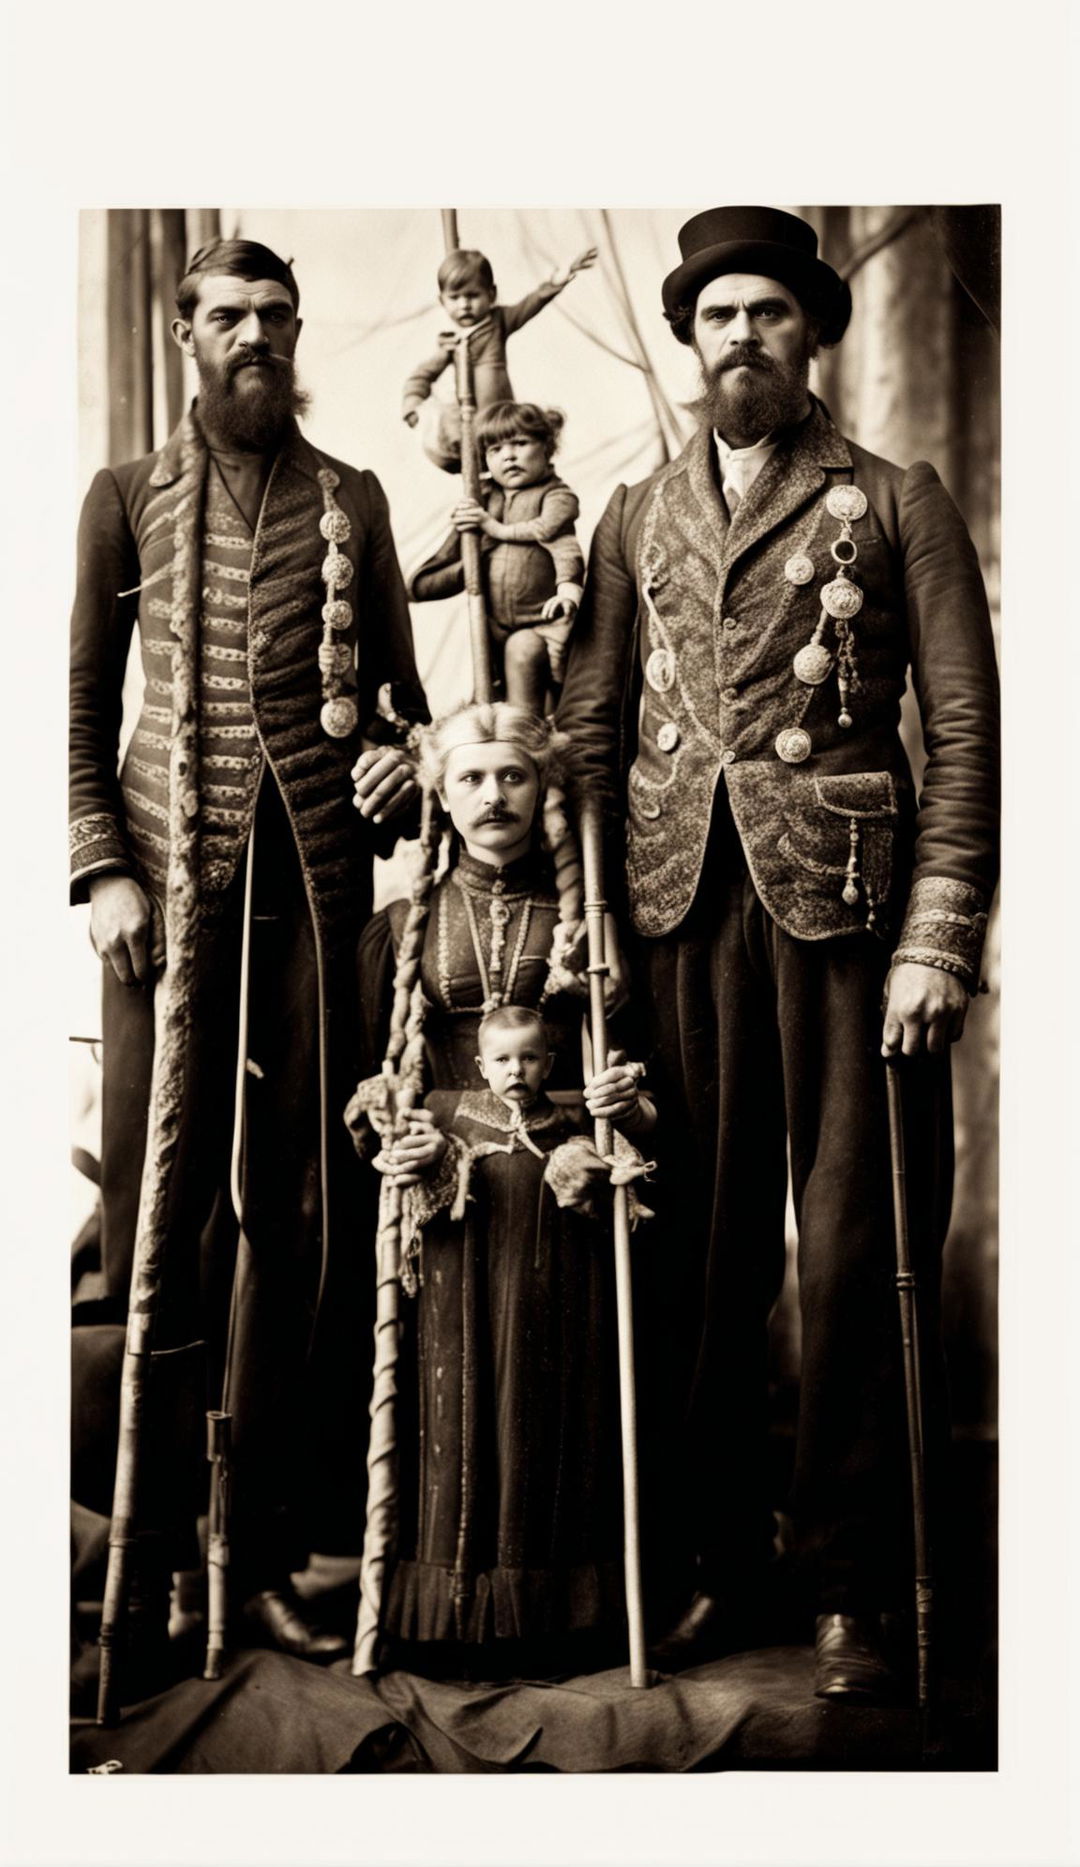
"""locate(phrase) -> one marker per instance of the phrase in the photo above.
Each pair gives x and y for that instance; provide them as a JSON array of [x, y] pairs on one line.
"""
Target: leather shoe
[[849, 1661], [276, 1616], [708, 1629]]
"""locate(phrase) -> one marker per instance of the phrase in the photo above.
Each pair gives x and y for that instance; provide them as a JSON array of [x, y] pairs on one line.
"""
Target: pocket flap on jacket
[[857, 793]]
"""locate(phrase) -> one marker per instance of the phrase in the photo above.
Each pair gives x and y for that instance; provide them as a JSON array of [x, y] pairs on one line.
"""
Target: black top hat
[[763, 240]]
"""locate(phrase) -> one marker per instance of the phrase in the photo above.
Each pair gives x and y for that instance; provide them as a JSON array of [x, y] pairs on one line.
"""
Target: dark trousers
[[764, 1044], [297, 1366]]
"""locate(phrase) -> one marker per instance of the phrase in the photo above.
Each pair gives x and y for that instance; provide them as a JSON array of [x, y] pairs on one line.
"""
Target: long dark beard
[[236, 417], [766, 396]]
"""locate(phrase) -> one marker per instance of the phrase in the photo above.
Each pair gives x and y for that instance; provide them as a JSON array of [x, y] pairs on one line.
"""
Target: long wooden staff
[[172, 1028], [909, 1330], [479, 640], [595, 908], [403, 1070]]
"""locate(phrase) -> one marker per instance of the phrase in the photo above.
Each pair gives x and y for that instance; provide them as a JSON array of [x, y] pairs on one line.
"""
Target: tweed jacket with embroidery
[[681, 680], [141, 552]]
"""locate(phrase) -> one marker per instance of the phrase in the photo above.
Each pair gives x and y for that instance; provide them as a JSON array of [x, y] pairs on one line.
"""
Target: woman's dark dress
[[509, 1462]]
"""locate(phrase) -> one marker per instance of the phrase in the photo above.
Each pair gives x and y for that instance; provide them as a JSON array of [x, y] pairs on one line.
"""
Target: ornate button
[[335, 526], [800, 568], [729, 695], [846, 503], [842, 598], [730, 622], [660, 669], [336, 570], [793, 745], [668, 736], [338, 717], [647, 807], [812, 664], [337, 613], [727, 757]]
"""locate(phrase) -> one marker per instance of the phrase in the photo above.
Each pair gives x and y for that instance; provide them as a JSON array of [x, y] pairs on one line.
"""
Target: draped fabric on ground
[[275, 1715]]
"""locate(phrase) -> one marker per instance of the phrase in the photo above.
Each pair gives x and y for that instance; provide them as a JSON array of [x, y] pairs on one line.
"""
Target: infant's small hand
[[557, 607], [411, 417]]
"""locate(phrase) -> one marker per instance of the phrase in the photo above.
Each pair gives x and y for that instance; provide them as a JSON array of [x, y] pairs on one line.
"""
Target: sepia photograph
[[533, 990]]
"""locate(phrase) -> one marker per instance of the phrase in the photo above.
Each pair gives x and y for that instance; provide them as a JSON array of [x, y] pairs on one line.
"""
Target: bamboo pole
[[595, 908], [479, 639], [906, 1287]]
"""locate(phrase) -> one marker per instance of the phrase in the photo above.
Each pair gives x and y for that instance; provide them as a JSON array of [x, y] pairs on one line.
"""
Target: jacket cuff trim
[[944, 926], [96, 842]]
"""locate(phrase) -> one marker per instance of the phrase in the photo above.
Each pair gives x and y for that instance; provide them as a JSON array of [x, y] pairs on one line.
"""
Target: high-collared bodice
[[474, 908]]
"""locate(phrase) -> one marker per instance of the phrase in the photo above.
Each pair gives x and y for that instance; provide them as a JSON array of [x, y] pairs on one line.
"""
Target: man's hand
[[415, 1153], [385, 780], [121, 928], [924, 1007]]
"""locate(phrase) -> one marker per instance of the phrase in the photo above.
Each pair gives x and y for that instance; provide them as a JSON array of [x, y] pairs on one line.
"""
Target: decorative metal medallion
[[660, 670], [813, 664], [338, 717], [668, 737], [842, 598], [337, 614], [846, 503], [793, 745], [799, 569]]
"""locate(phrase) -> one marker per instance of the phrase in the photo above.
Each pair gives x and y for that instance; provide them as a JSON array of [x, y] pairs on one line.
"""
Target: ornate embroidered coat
[[255, 693], [681, 679]]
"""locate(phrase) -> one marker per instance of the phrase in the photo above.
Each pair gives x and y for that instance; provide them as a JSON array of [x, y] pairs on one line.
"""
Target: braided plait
[[407, 988], [560, 841]]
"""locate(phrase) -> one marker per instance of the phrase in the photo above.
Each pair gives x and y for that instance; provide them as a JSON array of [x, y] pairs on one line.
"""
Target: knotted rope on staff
[[173, 998], [598, 968], [402, 1080]]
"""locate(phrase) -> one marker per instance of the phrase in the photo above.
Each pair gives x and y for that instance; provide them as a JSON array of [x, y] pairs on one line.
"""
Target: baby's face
[[520, 461], [467, 304], [514, 1062]]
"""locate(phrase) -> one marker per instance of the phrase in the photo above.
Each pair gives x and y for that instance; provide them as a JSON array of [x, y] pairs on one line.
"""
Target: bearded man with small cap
[[733, 694], [277, 651]]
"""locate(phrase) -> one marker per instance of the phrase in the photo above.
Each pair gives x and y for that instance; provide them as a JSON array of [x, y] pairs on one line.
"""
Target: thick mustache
[[494, 815], [259, 357], [750, 359]]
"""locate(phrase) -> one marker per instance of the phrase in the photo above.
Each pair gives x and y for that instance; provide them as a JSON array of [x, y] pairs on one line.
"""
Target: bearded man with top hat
[[733, 694], [234, 850]]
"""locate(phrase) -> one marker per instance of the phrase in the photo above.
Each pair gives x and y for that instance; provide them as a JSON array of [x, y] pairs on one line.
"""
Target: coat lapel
[[790, 479]]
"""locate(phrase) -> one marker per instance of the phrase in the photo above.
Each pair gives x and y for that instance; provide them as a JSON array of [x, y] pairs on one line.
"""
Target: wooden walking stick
[[403, 1071], [595, 907], [479, 640], [219, 1421], [906, 1287]]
